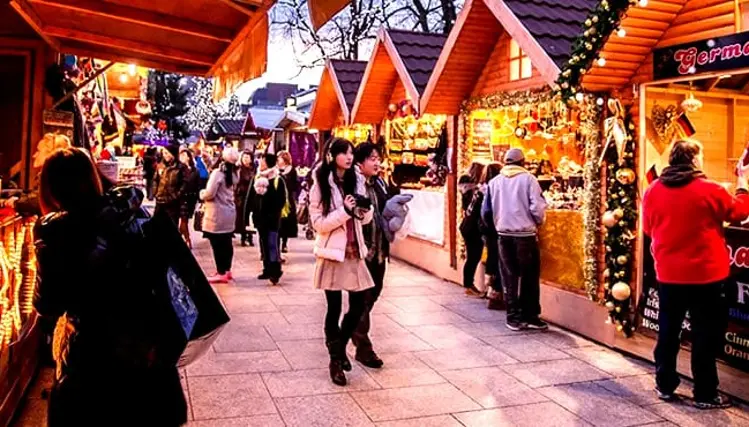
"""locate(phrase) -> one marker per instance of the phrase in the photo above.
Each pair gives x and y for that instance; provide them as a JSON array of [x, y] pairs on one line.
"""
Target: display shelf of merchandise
[[414, 145], [131, 176], [19, 340]]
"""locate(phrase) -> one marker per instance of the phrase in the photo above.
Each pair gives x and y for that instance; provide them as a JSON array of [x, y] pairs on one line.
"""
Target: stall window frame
[[520, 64]]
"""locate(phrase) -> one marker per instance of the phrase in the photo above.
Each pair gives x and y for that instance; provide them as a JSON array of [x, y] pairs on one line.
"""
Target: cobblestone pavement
[[448, 362]]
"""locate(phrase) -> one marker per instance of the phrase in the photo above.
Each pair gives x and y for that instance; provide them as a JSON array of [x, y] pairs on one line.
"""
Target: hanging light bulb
[[579, 97], [123, 78], [601, 61], [621, 32], [599, 101], [643, 3], [132, 69]]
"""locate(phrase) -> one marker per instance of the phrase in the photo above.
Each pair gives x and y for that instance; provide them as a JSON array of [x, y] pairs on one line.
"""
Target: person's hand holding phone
[[349, 202]]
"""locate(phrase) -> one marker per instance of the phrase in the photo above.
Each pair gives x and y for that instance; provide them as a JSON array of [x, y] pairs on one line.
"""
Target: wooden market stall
[[679, 69], [226, 39], [388, 99], [495, 75], [336, 94]]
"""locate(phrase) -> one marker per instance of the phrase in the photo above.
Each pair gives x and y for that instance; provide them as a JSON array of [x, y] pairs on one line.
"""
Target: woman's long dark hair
[[69, 181], [229, 169], [335, 147]]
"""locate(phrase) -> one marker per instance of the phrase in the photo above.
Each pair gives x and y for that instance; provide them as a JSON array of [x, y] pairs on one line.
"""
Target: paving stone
[[492, 387], [564, 371], [315, 381], [539, 414], [561, 339], [258, 319], [465, 357], [254, 421], [332, 410], [639, 389], [242, 338], [444, 336], [524, 348], [686, 415], [476, 313], [610, 361], [397, 344], [439, 421], [404, 370], [485, 329], [414, 304], [288, 332], [229, 396], [299, 315], [441, 317], [243, 303], [383, 307], [316, 299], [238, 363], [599, 406], [306, 354], [411, 402]]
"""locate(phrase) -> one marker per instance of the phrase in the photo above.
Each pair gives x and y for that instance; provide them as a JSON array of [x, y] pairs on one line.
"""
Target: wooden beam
[[238, 40], [129, 45], [244, 7], [29, 15], [140, 17], [91, 78], [745, 88], [82, 49], [710, 84]]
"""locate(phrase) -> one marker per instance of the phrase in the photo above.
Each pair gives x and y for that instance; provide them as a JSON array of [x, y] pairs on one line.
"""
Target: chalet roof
[[555, 24], [419, 53], [230, 126], [349, 75]]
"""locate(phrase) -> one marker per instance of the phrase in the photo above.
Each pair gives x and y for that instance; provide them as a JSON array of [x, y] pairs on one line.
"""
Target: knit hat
[[270, 160], [231, 155], [173, 149], [514, 156]]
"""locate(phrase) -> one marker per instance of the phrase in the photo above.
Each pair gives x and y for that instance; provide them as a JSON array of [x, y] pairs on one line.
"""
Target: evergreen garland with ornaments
[[604, 22], [620, 221]]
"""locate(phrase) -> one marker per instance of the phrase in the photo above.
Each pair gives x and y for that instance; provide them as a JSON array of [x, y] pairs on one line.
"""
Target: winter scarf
[[263, 180]]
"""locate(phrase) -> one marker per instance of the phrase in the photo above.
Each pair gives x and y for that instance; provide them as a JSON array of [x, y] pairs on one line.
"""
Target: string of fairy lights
[[16, 289]]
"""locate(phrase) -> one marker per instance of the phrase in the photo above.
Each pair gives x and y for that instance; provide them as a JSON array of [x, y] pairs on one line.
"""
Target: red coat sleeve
[[735, 208]]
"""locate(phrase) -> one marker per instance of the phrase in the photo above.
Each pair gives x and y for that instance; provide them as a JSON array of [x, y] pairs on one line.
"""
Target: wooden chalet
[[336, 94]]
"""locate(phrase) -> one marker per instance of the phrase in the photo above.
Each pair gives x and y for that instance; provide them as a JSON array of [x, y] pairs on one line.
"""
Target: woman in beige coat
[[340, 248], [220, 214]]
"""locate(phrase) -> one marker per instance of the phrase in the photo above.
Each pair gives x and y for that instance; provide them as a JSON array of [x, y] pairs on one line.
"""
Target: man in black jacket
[[268, 195], [367, 160], [171, 186]]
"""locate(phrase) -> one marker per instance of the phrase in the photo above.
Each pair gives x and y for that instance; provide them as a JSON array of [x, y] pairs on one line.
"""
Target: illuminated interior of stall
[[356, 133], [707, 109], [18, 275], [413, 145], [553, 139]]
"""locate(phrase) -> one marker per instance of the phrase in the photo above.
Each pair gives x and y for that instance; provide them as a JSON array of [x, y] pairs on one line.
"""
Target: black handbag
[[197, 223]]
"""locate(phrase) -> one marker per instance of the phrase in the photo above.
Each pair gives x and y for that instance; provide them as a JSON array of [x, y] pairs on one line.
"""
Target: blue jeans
[[708, 315]]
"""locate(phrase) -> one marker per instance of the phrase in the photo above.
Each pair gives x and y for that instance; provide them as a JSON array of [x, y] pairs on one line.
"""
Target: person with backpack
[[85, 242], [470, 226], [270, 203]]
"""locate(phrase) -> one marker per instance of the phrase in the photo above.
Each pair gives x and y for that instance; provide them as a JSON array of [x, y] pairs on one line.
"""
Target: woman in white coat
[[340, 248], [219, 218]]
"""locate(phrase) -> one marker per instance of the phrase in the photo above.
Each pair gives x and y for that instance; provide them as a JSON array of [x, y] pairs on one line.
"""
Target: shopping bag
[[193, 315]]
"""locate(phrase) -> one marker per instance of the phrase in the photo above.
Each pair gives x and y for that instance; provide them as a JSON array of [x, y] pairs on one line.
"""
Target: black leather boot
[[336, 364]]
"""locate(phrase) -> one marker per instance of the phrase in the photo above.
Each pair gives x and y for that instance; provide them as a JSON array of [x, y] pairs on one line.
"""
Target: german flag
[[652, 174], [685, 124]]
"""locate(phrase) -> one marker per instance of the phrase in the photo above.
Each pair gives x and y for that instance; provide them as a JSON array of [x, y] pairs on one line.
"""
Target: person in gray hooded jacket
[[515, 201]]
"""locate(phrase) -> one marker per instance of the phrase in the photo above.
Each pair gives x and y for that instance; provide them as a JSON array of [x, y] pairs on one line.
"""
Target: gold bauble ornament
[[588, 22], [609, 219], [618, 309], [606, 273], [621, 291], [619, 213], [625, 176], [619, 328], [622, 259], [610, 305], [595, 19]]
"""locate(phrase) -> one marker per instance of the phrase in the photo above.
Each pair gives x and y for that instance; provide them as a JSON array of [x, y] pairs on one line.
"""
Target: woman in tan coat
[[340, 248]]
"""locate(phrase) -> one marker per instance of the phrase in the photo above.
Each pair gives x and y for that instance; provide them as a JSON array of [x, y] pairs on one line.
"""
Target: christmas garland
[[506, 99], [620, 220], [592, 196], [604, 21]]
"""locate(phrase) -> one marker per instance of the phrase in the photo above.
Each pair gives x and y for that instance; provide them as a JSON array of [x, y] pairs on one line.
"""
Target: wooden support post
[[70, 94]]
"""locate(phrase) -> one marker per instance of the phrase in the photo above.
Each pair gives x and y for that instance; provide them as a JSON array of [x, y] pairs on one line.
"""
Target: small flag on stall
[[652, 174], [686, 125]]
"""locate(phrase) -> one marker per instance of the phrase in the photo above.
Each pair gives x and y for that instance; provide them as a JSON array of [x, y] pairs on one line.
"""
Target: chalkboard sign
[[735, 344]]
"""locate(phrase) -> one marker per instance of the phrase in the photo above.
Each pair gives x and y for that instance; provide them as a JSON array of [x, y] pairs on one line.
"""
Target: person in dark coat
[[242, 195], [171, 185], [496, 302], [289, 225], [149, 170], [268, 196], [469, 187], [191, 192], [86, 239]]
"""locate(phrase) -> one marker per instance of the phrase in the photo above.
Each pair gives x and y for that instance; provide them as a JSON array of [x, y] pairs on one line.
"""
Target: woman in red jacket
[[683, 213]]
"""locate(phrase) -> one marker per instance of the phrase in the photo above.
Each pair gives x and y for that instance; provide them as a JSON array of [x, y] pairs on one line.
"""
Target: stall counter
[[427, 210], [562, 250]]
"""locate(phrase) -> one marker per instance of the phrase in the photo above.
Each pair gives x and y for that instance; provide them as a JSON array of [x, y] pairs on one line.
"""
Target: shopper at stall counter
[[517, 205], [491, 240], [171, 186], [219, 217], [367, 159], [683, 213], [469, 186], [86, 283], [340, 249]]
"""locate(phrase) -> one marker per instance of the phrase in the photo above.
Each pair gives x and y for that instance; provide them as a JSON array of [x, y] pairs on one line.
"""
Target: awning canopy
[[224, 38], [322, 11]]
